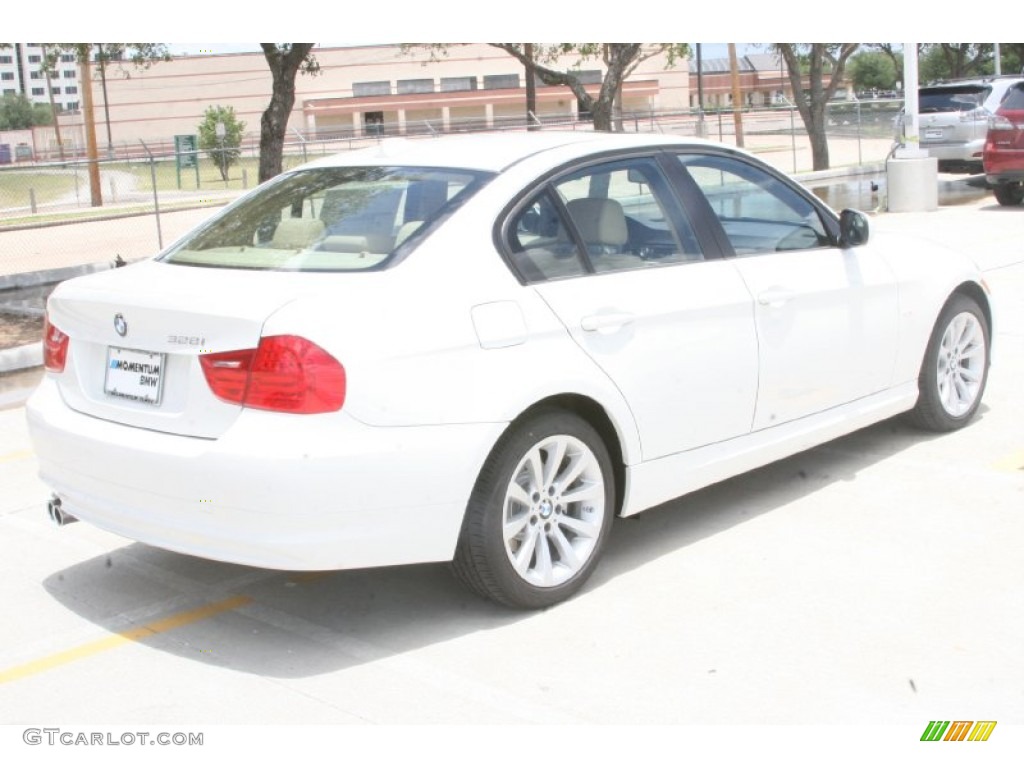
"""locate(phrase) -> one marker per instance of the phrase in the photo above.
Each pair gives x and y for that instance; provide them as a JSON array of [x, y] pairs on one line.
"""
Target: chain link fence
[[148, 194]]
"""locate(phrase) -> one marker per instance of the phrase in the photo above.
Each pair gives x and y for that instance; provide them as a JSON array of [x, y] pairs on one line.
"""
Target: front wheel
[[540, 512], [955, 367]]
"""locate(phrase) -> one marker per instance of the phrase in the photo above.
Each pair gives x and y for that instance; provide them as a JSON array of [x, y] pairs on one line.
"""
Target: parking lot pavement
[[875, 579]]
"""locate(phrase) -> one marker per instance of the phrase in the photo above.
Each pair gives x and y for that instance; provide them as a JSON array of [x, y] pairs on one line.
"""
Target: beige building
[[362, 91]]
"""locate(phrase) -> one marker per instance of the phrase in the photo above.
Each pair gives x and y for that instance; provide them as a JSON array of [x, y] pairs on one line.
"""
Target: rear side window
[[1014, 98], [609, 217], [327, 219]]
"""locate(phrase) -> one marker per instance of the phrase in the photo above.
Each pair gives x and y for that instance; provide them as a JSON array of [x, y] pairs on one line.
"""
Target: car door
[[825, 316], [609, 250]]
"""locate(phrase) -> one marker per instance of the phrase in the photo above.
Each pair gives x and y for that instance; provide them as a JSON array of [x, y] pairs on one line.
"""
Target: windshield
[[328, 219]]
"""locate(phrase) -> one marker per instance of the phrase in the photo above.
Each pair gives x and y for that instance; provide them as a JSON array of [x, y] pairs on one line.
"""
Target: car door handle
[[606, 321], [774, 297]]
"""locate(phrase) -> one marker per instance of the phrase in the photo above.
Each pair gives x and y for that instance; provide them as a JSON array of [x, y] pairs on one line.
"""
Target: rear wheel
[[540, 513], [955, 368], [1010, 194]]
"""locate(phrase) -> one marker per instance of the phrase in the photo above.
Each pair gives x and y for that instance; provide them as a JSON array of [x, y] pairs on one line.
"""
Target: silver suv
[[953, 120]]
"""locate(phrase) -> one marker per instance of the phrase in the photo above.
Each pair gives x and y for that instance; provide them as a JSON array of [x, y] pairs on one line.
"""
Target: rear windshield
[[328, 219], [951, 98]]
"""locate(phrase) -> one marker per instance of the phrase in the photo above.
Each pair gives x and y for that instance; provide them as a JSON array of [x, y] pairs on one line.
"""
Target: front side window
[[613, 216], [759, 213], [327, 219]]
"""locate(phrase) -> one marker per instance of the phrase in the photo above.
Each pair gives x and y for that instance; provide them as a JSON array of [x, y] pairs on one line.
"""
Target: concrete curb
[[31, 355], [50, 276], [21, 358]]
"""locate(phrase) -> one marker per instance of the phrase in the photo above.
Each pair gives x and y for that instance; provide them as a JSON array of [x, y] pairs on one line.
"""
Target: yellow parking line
[[1012, 462], [132, 635], [16, 456]]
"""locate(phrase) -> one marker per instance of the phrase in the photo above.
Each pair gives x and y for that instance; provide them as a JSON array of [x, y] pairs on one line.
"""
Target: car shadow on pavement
[[293, 625]]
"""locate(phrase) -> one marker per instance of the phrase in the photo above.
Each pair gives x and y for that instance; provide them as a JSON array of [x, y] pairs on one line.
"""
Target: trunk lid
[[136, 335]]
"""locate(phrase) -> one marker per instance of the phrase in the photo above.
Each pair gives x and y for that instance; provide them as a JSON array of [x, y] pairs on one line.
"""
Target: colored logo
[[958, 730]]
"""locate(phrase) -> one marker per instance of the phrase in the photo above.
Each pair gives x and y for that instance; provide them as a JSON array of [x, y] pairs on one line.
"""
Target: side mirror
[[853, 228]]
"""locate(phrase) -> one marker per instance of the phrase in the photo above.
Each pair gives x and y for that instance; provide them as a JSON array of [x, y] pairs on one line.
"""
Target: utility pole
[[88, 113], [737, 96], [702, 130]]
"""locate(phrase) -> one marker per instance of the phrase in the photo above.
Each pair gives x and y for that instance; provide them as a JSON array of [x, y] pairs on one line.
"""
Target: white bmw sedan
[[482, 350]]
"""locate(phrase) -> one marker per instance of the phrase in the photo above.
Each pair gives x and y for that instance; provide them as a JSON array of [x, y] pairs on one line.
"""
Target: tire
[[955, 368], [540, 512], [1010, 194]]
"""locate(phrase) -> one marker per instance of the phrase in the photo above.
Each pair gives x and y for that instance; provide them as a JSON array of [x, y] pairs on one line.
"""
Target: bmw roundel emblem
[[120, 325]]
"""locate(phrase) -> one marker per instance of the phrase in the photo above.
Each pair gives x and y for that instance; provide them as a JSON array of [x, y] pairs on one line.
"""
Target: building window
[[38, 91], [67, 57], [373, 123], [458, 83], [36, 75], [6, 60], [71, 89], [376, 88], [420, 85], [55, 91], [495, 82], [35, 59], [71, 106], [69, 74], [7, 76], [590, 76]]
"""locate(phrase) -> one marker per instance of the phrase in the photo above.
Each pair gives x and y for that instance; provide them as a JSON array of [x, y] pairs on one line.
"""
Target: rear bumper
[[956, 155], [1005, 172], [275, 491]]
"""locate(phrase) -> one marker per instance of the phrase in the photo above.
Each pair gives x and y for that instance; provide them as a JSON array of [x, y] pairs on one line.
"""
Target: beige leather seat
[[296, 234], [601, 223]]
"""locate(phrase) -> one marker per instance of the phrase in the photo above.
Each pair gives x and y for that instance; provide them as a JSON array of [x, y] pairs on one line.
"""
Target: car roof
[[493, 152]]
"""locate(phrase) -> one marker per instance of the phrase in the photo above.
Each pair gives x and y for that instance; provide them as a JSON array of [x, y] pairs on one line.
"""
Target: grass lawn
[[17, 186], [68, 185]]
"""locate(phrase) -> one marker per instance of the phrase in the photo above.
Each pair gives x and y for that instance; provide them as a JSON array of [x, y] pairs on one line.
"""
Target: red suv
[[1004, 148]]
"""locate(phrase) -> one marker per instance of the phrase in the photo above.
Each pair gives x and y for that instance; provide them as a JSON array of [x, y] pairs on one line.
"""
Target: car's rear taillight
[[55, 347], [284, 373], [1000, 123]]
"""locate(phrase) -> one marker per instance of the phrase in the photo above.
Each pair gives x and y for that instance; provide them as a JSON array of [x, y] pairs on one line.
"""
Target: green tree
[[1011, 55], [620, 60], [18, 113], [286, 61], [872, 70], [945, 61], [824, 65], [225, 150], [895, 54], [540, 59]]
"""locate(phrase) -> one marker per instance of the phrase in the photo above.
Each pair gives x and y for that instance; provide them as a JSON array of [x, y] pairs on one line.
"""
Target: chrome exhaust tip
[[57, 514]]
